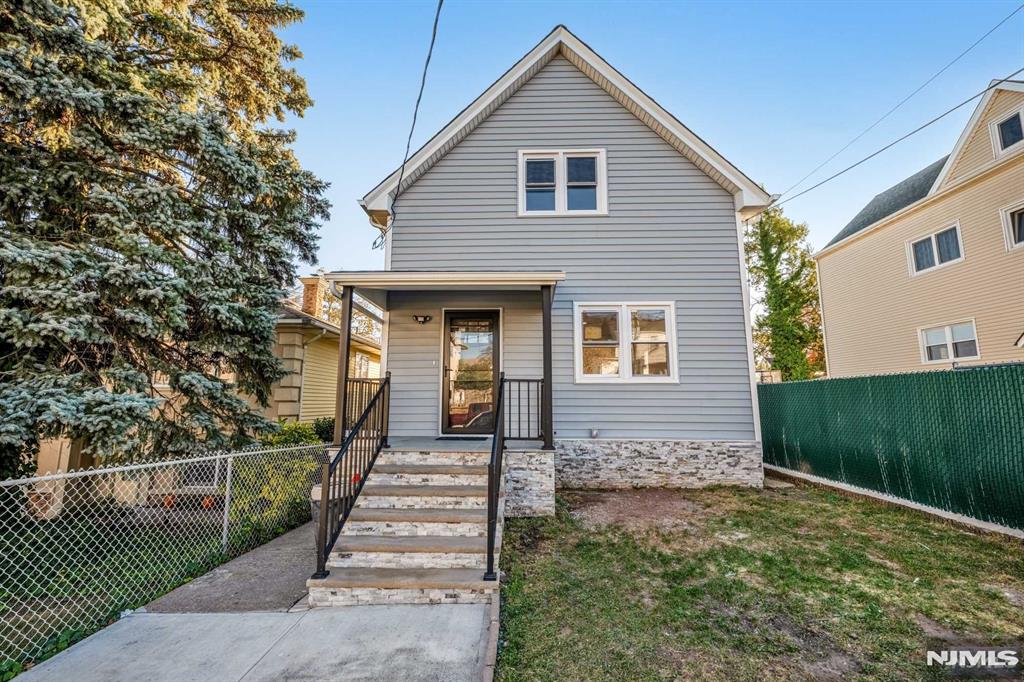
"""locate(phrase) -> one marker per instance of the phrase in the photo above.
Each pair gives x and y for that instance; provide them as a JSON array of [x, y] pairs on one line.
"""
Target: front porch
[[449, 338]]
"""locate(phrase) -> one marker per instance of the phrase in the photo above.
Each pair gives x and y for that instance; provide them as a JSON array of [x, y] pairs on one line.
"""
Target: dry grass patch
[[736, 584]]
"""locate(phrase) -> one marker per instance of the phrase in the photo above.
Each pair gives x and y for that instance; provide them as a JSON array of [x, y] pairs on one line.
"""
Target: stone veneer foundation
[[605, 463], [529, 483]]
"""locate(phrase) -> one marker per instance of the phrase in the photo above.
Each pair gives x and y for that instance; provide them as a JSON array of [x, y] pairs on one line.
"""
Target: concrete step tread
[[425, 515], [405, 578], [390, 490], [419, 544], [457, 469]]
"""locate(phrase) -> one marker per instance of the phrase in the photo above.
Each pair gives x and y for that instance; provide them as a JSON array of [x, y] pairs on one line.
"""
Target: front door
[[470, 379]]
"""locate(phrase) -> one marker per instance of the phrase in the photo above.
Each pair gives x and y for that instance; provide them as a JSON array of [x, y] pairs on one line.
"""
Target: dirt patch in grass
[[735, 584], [636, 509]]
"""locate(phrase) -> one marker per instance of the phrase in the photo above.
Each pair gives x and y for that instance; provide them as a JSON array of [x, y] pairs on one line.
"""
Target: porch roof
[[374, 284]]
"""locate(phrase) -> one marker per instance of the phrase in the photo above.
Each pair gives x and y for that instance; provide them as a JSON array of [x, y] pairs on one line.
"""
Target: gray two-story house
[[565, 228], [564, 283]]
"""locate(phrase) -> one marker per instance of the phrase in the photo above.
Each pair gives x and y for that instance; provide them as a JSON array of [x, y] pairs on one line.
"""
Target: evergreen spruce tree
[[150, 219]]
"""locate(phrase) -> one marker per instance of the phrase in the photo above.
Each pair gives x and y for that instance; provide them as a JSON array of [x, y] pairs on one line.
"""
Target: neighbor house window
[[618, 342], [563, 182], [1010, 131], [1013, 225], [940, 248], [950, 343]]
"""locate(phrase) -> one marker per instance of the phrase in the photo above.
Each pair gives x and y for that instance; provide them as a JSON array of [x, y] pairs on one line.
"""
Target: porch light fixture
[[422, 319]]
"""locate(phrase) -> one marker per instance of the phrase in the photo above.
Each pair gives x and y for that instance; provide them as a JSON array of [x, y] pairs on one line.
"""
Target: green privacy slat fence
[[948, 439]]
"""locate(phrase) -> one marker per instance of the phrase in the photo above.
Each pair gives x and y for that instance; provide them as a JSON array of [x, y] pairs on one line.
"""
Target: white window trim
[[561, 192], [914, 272], [993, 131], [625, 375], [1004, 214], [949, 342]]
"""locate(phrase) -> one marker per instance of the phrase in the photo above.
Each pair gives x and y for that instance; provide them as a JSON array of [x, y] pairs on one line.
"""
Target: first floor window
[[950, 342], [625, 342]]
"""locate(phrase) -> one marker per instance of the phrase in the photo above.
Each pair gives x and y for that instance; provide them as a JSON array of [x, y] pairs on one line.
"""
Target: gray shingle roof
[[898, 196]]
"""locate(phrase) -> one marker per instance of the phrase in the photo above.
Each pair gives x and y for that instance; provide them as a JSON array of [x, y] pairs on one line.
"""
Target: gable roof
[[900, 195], [972, 123], [922, 184], [561, 41]]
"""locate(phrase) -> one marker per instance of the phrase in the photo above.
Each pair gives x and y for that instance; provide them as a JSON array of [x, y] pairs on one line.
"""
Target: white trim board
[[561, 41], [970, 521]]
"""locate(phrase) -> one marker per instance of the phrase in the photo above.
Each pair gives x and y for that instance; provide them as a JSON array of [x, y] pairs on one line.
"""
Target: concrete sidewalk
[[246, 620], [433, 642]]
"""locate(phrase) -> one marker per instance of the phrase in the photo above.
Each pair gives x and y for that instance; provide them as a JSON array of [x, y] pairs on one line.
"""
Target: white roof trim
[[421, 279], [562, 41], [1012, 86]]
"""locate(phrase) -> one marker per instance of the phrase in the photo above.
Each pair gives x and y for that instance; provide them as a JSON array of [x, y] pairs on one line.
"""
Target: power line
[[379, 241], [900, 139], [904, 100]]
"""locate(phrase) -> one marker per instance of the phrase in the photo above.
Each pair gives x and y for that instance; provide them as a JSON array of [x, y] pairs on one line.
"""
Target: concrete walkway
[[247, 620]]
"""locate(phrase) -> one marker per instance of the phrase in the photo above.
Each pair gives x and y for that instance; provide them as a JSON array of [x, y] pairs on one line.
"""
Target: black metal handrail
[[360, 392], [343, 476], [523, 415], [494, 477]]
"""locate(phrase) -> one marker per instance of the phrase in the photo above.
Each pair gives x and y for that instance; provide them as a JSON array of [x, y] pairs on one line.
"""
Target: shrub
[[324, 427], [292, 433]]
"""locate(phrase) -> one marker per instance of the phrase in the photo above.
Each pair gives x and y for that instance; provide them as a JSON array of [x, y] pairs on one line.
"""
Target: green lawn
[[736, 584]]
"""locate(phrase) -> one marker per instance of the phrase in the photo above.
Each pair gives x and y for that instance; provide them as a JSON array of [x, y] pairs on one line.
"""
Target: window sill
[[562, 214], [626, 380], [951, 361]]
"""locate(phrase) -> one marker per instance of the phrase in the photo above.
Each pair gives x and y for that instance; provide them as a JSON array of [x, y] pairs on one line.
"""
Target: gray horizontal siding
[[670, 235], [415, 350]]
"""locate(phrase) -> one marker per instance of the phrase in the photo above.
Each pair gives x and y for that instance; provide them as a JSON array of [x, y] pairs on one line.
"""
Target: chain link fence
[[952, 440], [77, 549]]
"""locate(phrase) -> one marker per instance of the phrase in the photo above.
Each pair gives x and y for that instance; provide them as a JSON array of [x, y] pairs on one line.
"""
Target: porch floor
[[433, 444]]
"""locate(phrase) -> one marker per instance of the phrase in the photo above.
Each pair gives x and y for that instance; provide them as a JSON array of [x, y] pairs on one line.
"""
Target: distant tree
[[784, 279], [149, 220]]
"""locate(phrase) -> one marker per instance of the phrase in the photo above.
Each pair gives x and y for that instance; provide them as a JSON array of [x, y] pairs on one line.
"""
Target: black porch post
[[344, 341], [547, 422]]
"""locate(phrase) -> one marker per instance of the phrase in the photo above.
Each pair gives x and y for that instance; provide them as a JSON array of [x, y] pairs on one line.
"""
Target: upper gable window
[[936, 250], [1010, 131], [562, 182]]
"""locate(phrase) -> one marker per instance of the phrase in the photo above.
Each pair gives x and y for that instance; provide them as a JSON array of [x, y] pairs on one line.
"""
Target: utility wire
[[904, 100], [900, 139], [379, 241]]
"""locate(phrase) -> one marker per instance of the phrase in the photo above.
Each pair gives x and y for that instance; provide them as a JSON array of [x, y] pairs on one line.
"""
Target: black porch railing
[[344, 474], [523, 409], [494, 477], [360, 393]]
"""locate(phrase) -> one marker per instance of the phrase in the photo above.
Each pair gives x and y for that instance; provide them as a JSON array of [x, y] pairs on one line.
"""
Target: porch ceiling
[[374, 284]]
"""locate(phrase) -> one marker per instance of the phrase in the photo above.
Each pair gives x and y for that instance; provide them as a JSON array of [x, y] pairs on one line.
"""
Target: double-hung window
[[949, 343], [935, 250], [625, 342], [563, 182]]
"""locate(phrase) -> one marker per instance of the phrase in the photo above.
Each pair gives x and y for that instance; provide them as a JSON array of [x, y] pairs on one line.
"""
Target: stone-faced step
[[351, 586], [415, 551], [414, 543], [390, 457], [429, 474], [436, 522], [422, 496]]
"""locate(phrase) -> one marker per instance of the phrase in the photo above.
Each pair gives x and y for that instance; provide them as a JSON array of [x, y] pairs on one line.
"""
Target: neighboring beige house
[[308, 345], [931, 272]]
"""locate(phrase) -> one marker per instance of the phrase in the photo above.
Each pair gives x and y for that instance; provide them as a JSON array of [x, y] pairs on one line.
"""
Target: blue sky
[[775, 87]]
